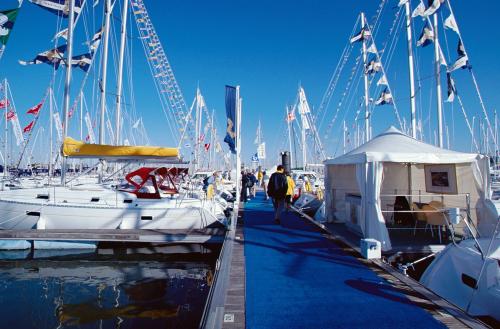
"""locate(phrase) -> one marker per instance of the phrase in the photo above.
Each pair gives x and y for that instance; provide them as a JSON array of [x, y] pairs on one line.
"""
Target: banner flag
[[231, 100]]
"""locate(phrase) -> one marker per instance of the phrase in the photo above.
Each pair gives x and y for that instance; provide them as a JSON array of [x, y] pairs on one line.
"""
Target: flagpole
[[438, 82], [67, 84], [367, 113], [411, 67], [107, 14], [238, 145], [123, 41]]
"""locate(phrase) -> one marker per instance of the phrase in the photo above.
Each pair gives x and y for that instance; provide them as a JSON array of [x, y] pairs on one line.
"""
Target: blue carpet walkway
[[295, 278]]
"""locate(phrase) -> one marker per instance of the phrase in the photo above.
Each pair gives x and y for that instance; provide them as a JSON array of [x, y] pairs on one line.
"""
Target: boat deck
[[294, 275]]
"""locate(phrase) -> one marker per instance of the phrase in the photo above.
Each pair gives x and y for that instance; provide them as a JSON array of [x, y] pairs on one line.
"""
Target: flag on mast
[[385, 98], [4, 103], [231, 100], [52, 57], [7, 19], [60, 7], [426, 37], [451, 23], [452, 91], [28, 128], [463, 60], [35, 109]]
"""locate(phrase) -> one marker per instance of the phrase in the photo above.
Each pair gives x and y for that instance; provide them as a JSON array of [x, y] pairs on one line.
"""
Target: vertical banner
[[231, 100], [7, 19], [88, 123], [261, 151], [59, 128]]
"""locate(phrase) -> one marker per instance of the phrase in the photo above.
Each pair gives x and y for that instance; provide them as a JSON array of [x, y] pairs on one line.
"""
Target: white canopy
[[394, 146]]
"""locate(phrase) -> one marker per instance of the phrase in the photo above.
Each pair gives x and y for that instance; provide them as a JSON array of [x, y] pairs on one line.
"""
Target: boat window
[[94, 199], [42, 196], [127, 201], [146, 217], [469, 281]]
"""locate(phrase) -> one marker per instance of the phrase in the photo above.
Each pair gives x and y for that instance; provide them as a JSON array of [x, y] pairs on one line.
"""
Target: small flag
[[463, 60], [136, 124], [4, 103], [207, 146], [28, 128], [7, 19], [96, 39], [82, 61], [61, 34], [201, 138], [364, 34], [35, 109], [372, 49], [52, 57], [419, 10], [373, 66], [426, 37], [385, 98], [451, 23], [255, 158], [59, 7], [291, 115], [434, 6], [451, 88], [382, 81], [402, 2], [11, 115]]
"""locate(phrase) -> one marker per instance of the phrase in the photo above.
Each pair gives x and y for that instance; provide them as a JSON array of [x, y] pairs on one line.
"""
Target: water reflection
[[123, 292]]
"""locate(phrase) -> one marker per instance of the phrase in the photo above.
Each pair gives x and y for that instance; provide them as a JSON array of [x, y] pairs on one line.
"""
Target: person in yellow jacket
[[290, 190]]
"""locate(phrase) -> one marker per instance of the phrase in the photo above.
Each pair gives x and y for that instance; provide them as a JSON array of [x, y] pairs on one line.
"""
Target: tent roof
[[394, 146]]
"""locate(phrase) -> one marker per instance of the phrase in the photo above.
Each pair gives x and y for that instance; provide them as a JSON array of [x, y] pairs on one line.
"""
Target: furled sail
[[77, 149]]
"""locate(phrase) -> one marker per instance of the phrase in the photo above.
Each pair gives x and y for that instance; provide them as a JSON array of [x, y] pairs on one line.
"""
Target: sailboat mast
[[6, 130], [123, 40], [412, 75], [107, 19], [51, 131], [67, 84], [438, 82], [198, 131], [367, 100]]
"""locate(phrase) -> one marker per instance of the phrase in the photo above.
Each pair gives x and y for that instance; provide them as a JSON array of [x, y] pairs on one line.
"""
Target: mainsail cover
[[77, 149]]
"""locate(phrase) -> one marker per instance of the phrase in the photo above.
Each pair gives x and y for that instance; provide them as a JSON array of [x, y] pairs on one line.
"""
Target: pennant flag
[[385, 98], [291, 115], [451, 88], [136, 124], [61, 34], [382, 81], [11, 115], [52, 57], [463, 60], [201, 138], [402, 3], [82, 61], [419, 10], [7, 19], [261, 151], [434, 6], [59, 7], [35, 109], [255, 158], [27, 129], [373, 66], [364, 34], [442, 59], [96, 39], [451, 23], [207, 146], [4, 103], [372, 49], [426, 37], [231, 100], [218, 147]]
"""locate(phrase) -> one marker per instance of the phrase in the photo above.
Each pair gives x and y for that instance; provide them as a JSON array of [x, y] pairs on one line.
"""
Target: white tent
[[393, 163]]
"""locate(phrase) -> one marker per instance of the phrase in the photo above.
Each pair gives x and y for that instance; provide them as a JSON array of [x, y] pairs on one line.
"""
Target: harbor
[[220, 165]]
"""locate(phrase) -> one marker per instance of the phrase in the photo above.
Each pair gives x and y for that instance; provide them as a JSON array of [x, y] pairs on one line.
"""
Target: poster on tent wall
[[441, 179]]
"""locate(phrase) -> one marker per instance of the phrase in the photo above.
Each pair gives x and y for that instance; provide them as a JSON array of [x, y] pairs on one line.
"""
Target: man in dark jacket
[[276, 189]]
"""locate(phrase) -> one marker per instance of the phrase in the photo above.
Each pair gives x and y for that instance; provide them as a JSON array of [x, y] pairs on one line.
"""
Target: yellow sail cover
[[74, 148]]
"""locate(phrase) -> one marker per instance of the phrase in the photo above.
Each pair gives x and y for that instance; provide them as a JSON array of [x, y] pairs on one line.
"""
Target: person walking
[[265, 183], [277, 189], [244, 187], [290, 190]]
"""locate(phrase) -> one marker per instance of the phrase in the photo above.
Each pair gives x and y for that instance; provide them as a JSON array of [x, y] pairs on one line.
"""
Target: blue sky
[[268, 48]]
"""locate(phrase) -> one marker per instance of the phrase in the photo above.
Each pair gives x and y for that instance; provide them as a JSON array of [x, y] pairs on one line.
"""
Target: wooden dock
[[208, 235]]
